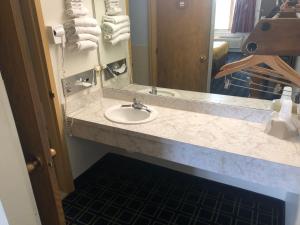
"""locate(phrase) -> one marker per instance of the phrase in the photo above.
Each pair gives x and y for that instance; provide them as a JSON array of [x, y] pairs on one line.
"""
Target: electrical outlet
[[79, 82]]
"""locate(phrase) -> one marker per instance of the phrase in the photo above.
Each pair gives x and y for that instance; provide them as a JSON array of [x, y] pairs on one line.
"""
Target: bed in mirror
[[177, 47]]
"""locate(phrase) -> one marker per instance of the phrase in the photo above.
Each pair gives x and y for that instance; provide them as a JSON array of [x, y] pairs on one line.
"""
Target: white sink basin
[[161, 92], [129, 115]]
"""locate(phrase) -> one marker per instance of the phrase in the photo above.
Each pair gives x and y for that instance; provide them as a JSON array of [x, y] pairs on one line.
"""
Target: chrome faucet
[[154, 90], [138, 105]]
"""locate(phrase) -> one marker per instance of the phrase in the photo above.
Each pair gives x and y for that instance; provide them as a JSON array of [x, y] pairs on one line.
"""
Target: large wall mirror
[[178, 46]]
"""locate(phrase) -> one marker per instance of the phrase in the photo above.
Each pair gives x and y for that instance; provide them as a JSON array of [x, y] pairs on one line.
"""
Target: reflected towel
[[112, 7], [111, 1], [73, 1], [110, 28], [122, 37], [72, 5], [113, 11], [115, 19], [82, 37], [83, 30], [112, 4], [116, 34], [74, 12], [81, 22], [84, 45]]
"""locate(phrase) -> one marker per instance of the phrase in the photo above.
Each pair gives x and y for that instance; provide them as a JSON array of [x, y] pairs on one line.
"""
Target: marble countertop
[[242, 138]]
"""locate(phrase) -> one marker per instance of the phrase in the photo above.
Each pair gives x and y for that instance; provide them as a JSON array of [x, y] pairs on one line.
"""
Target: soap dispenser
[[281, 124]]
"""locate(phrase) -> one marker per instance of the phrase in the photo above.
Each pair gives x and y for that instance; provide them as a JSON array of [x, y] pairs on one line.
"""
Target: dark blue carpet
[[123, 191], [217, 85]]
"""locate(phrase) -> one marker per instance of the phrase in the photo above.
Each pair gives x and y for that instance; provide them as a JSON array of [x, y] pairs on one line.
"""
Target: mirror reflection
[[179, 46]]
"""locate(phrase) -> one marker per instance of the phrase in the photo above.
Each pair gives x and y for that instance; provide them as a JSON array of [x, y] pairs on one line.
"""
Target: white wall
[[108, 53], [75, 62], [83, 154], [15, 189]]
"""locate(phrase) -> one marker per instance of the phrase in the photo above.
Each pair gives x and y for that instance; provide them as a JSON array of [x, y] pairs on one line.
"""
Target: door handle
[[36, 162], [203, 58], [52, 152], [33, 164]]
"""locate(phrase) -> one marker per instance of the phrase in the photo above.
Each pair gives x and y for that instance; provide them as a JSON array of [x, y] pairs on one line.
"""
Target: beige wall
[[82, 155], [75, 62], [15, 189], [108, 53]]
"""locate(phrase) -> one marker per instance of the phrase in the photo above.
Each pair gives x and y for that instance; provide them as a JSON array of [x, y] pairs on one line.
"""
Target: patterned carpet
[[123, 191]]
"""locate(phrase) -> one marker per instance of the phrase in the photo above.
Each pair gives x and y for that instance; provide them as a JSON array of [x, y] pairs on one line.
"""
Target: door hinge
[[51, 94]]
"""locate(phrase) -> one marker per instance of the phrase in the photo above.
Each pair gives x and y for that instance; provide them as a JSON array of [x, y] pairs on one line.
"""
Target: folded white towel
[[82, 37], [112, 7], [112, 4], [113, 11], [81, 22], [116, 34], [115, 19], [74, 12], [76, 5], [73, 1], [107, 2], [83, 30], [110, 28], [84, 45], [122, 37]]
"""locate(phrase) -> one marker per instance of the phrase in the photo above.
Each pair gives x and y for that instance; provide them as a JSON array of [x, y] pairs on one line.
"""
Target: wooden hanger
[[277, 65], [264, 71]]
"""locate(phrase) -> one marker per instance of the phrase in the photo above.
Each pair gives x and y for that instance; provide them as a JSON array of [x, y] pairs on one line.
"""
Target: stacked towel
[[75, 8], [115, 29], [112, 7], [81, 22], [84, 45], [82, 32], [115, 19]]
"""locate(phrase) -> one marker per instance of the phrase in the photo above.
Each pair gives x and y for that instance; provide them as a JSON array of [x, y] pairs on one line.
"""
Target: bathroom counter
[[232, 147]]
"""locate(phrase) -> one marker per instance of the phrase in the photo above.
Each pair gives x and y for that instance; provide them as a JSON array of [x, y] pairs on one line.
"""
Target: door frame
[[38, 43], [152, 45], [152, 36]]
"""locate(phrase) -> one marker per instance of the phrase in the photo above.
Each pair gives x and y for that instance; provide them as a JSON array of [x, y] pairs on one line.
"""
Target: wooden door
[[183, 41], [39, 52], [20, 78]]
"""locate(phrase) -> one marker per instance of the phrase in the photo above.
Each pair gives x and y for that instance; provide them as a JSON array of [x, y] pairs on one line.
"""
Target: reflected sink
[[161, 92], [130, 115]]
